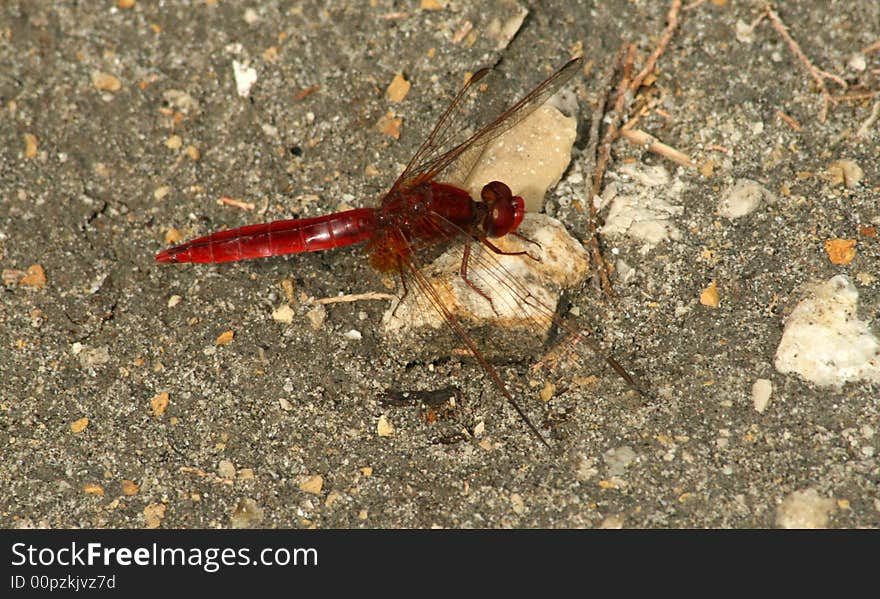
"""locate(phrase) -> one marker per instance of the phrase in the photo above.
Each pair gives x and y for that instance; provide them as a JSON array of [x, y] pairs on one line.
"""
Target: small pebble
[[30, 145], [283, 313], [251, 16], [245, 77], [761, 390], [519, 506], [845, 172], [93, 489], [742, 198], [78, 426], [35, 277], [840, 251], [225, 338], [709, 296], [312, 484], [106, 82], [384, 428], [247, 514], [618, 459], [805, 509], [546, 394], [316, 317], [153, 514], [159, 404], [397, 89], [226, 469]]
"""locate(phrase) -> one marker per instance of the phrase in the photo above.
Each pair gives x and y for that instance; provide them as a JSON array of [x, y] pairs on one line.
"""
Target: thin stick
[[872, 48], [789, 121], [356, 297], [718, 148], [816, 73], [603, 156], [642, 139], [236, 203], [672, 24], [863, 130], [854, 96]]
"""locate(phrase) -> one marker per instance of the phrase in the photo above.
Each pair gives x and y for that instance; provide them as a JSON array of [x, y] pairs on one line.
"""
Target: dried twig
[[869, 122], [305, 92], [355, 297], [672, 24], [236, 203], [628, 84], [719, 148], [855, 96], [871, 48], [640, 138], [603, 154], [591, 159], [693, 5], [789, 121], [818, 75]]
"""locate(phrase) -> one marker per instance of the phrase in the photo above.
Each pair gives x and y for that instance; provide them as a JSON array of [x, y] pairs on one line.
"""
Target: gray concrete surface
[[250, 426]]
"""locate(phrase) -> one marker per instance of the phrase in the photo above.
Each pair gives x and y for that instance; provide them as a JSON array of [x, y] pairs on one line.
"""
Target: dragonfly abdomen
[[276, 238]]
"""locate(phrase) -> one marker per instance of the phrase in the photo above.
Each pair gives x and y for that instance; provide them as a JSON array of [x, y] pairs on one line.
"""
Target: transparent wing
[[479, 113]]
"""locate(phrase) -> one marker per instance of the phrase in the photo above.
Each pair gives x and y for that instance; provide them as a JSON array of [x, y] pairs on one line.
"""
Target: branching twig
[[871, 48], [863, 129], [816, 73], [603, 154], [671, 26]]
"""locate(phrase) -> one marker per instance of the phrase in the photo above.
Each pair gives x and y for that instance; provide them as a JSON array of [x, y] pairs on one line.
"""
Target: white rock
[[745, 33], [857, 62], [649, 176], [743, 197], [642, 207], [245, 77], [530, 158], [97, 356], [825, 342], [619, 459], [283, 313], [805, 509]]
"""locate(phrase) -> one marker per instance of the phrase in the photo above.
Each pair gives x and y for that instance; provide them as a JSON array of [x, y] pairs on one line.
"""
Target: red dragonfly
[[418, 211]]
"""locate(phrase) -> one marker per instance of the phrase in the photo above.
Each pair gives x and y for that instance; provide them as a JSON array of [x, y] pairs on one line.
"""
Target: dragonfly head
[[505, 210]]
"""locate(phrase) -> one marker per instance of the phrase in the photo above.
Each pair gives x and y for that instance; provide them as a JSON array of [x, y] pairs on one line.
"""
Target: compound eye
[[506, 211]]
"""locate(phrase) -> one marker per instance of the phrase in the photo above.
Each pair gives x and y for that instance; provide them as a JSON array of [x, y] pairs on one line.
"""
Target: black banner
[[392, 563]]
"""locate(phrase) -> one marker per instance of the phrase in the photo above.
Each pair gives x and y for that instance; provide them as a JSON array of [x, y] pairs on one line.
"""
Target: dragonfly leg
[[466, 254], [519, 235], [485, 241], [405, 292]]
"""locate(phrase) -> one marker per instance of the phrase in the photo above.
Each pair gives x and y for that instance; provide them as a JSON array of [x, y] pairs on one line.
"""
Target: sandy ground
[[119, 408]]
